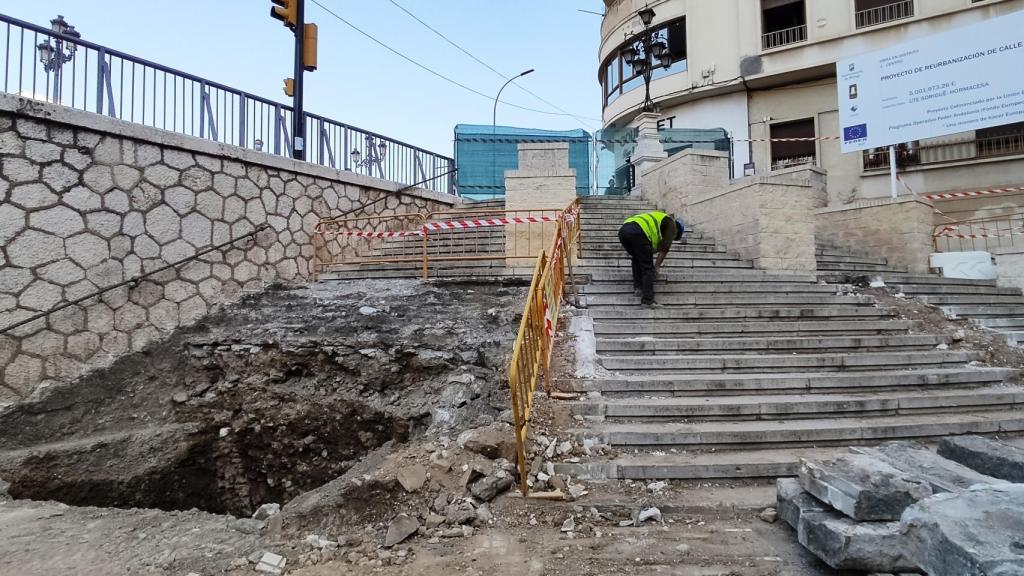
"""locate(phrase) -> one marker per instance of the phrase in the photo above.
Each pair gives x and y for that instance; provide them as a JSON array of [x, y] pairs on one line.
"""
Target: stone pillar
[[649, 149], [543, 181], [671, 183]]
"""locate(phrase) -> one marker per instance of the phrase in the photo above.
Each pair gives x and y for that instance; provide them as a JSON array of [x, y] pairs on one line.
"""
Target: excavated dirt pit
[[267, 399]]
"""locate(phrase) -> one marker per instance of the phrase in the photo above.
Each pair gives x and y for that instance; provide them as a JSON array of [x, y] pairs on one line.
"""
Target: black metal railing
[[882, 14], [106, 81], [914, 154]]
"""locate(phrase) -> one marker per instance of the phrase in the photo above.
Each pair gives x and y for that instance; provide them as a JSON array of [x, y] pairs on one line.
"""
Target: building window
[[618, 76], [1005, 140], [875, 12], [793, 153], [782, 22]]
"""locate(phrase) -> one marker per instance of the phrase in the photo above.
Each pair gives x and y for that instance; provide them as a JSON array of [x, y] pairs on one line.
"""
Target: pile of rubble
[[903, 508]]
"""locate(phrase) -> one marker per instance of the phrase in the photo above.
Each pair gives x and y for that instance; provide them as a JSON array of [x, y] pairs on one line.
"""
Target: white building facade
[[765, 69]]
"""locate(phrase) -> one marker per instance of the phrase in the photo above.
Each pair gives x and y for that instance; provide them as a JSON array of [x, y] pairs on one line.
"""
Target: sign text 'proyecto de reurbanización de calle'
[[963, 79]]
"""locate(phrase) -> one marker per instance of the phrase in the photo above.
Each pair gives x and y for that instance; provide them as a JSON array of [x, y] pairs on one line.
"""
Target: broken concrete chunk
[[847, 545], [399, 529], [246, 525], [4, 490], [488, 488], [569, 525], [916, 459], [412, 477], [460, 512], [266, 511], [494, 441], [368, 310], [271, 563], [793, 501], [768, 515], [975, 532], [862, 487], [985, 456]]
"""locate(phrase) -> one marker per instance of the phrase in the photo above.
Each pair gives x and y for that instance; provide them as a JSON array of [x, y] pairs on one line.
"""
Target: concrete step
[[859, 268], [804, 345], [1009, 323], [744, 363], [828, 251], [904, 279], [665, 385], [1014, 337], [695, 465], [953, 290], [847, 259], [811, 431], [674, 255], [786, 406], [460, 273], [681, 287], [984, 311], [729, 299], [750, 329], [669, 264], [644, 317], [725, 276], [973, 299]]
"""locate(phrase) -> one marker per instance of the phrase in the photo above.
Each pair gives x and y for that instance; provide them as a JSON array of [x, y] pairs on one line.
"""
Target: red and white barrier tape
[[972, 194], [454, 225], [807, 139]]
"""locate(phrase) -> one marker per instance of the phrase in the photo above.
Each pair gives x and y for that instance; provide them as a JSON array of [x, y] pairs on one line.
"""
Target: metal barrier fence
[[61, 68], [980, 233], [448, 236], [531, 353]]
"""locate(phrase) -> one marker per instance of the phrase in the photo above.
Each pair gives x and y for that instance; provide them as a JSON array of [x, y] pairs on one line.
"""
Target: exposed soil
[[267, 399]]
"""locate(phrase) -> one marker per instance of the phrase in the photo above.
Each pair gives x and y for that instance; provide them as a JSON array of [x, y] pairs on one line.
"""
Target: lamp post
[[54, 57], [375, 154], [649, 50], [494, 126]]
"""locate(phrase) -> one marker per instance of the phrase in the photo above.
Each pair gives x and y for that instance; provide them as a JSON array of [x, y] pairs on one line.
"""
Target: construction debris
[[873, 510], [986, 456]]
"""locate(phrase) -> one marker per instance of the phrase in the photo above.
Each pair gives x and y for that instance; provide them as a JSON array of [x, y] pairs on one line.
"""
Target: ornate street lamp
[[649, 51], [376, 153], [54, 56]]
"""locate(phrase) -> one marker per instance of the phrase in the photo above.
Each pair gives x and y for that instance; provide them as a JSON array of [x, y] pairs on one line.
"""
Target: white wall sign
[[963, 79]]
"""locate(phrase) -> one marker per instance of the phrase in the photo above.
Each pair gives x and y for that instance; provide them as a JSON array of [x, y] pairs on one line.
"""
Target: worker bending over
[[643, 235]]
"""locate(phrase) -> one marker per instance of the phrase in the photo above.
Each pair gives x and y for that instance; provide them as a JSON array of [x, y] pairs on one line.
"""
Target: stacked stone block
[[900, 230], [83, 207]]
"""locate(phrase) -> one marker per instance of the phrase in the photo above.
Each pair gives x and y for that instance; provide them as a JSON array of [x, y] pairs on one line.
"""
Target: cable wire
[[424, 67], [581, 119]]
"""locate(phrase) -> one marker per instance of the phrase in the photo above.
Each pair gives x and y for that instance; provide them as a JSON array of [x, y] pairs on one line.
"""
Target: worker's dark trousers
[[636, 243]]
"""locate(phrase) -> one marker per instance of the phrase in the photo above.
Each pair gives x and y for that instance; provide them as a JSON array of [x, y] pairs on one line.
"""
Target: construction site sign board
[[962, 79]]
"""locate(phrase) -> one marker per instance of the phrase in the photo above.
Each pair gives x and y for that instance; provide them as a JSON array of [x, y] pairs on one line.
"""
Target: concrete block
[[862, 487], [976, 532], [793, 501], [271, 563], [914, 458], [985, 456], [845, 544]]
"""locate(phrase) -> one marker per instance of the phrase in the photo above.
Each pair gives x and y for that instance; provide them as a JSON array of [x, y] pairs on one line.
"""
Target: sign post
[[892, 172]]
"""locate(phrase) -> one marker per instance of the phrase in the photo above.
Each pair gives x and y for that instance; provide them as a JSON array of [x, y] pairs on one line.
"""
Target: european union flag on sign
[[853, 133]]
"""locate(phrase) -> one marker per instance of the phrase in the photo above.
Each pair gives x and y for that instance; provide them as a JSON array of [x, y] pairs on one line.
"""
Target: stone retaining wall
[[87, 201], [899, 230]]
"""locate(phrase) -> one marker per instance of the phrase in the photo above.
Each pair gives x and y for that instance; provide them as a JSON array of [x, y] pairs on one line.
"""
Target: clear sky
[[236, 42]]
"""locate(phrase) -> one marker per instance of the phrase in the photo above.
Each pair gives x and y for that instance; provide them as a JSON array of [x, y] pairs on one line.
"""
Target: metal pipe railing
[[107, 81], [133, 281]]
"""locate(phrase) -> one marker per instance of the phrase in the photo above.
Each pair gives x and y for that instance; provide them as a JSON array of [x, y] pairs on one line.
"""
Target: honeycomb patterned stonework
[[82, 209]]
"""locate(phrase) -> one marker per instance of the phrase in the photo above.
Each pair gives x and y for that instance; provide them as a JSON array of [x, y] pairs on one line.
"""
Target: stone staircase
[[481, 248], [743, 372], [988, 305]]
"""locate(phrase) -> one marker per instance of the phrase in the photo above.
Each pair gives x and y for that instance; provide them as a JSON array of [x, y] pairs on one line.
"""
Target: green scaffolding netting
[[484, 153], [615, 146]]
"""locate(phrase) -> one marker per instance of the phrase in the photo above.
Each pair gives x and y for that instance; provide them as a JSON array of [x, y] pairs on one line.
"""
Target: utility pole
[[298, 115], [293, 13]]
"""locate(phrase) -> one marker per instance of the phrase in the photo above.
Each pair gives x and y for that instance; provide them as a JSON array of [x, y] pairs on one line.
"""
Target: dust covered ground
[[366, 424]]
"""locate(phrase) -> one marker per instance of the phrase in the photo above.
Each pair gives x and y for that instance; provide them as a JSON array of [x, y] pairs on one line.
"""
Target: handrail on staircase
[[133, 281], [982, 233]]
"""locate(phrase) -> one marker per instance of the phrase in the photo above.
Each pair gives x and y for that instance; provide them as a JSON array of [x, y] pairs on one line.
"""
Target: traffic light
[[286, 11], [309, 47], [289, 87]]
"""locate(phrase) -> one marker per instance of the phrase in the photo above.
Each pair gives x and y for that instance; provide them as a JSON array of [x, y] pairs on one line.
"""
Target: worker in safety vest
[[643, 235]]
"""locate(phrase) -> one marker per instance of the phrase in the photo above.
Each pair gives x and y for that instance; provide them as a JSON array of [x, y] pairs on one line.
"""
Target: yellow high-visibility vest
[[650, 222]]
